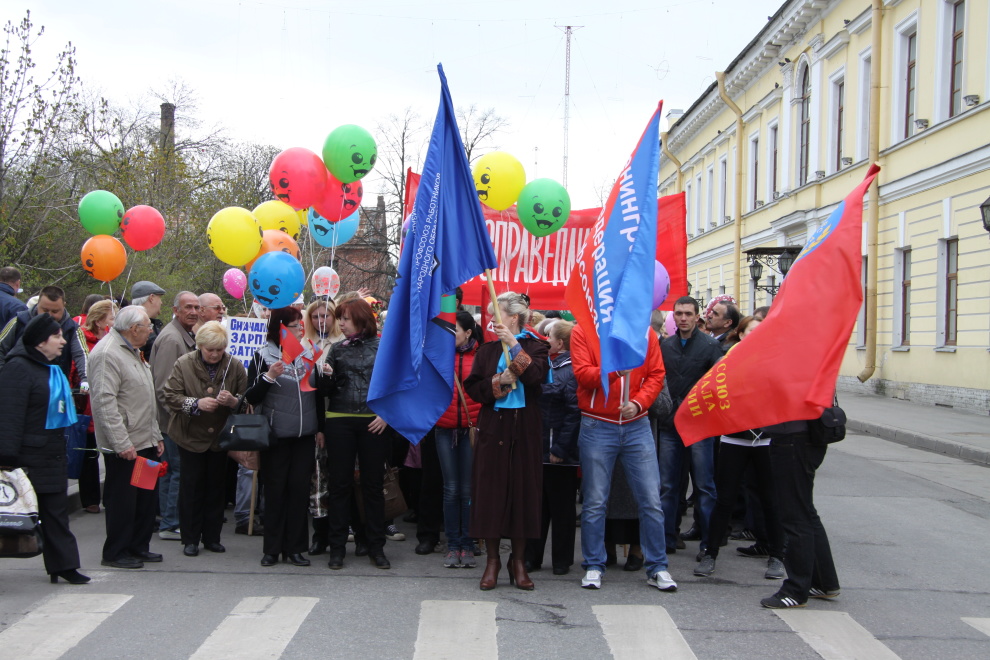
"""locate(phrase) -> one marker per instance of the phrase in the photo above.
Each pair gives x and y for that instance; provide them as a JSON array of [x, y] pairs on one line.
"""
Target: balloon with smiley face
[[543, 207], [333, 234], [103, 257], [499, 178], [275, 241], [276, 214], [340, 200], [277, 279], [350, 153], [234, 235], [297, 177], [326, 281], [143, 227], [100, 212]]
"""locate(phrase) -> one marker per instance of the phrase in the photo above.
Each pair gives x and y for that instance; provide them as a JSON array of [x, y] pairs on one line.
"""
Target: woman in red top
[[455, 450]]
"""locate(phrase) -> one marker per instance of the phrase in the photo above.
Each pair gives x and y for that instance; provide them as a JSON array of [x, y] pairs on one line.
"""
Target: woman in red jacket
[[455, 450]]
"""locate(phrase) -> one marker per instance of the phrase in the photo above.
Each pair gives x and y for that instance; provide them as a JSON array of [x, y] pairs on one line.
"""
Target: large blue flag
[[446, 245], [611, 285]]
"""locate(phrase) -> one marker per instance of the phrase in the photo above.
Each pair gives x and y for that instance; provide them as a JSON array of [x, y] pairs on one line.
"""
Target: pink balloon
[[235, 282], [661, 284], [669, 325]]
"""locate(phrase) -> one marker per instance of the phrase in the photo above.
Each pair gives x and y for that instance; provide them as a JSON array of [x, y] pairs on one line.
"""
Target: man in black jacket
[[51, 302], [10, 305], [687, 356]]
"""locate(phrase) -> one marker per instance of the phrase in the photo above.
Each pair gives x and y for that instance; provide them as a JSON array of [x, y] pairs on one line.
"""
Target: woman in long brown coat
[[507, 477]]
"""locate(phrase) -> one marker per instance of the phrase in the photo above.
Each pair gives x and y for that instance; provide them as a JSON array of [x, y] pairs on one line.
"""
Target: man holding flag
[[617, 361], [795, 368]]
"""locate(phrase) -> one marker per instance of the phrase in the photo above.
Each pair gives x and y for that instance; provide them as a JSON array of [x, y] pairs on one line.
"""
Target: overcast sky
[[287, 73]]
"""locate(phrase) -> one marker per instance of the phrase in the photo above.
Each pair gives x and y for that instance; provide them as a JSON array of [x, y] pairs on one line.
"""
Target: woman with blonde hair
[[320, 324]]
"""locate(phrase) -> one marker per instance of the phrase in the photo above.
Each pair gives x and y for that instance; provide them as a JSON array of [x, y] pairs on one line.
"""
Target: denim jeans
[[455, 463], [168, 486], [600, 444], [672, 452]]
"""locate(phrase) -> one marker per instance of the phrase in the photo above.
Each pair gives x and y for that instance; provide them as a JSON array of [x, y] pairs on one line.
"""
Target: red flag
[[672, 246], [291, 348], [787, 368], [311, 364]]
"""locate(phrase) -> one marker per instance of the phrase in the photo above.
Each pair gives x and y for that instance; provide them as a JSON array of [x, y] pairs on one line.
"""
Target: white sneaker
[[170, 535], [592, 579], [662, 581]]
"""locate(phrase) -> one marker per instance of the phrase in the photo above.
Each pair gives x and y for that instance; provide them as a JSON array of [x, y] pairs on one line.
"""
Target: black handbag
[[830, 427], [246, 432]]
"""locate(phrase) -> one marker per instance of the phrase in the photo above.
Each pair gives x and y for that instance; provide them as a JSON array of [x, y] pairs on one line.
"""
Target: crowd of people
[[530, 441]]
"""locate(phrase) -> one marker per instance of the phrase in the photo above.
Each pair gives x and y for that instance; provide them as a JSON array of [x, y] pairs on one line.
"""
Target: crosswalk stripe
[[983, 625], [53, 628], [835, 635], [642, 632], [456, 629], [257, 628]]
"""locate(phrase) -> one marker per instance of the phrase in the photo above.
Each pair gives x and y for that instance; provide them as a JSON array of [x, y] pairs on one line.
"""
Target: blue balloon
[[332, 234], [277, 279]]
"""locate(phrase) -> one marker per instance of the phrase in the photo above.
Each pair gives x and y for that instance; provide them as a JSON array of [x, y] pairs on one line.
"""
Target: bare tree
[[478, 127]]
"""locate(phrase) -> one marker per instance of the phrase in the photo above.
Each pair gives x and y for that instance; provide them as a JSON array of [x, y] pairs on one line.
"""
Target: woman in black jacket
[[35, 407]]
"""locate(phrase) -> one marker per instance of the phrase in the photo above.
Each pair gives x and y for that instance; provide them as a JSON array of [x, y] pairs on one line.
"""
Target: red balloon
[[340, 200], [104, 257], [143, 227], [298, 177]]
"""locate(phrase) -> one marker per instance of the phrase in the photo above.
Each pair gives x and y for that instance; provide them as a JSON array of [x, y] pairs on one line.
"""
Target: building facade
[[773, 154]]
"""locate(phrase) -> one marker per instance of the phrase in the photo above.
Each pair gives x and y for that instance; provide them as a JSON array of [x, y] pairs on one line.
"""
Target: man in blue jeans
[[687, 356], [610, 430]]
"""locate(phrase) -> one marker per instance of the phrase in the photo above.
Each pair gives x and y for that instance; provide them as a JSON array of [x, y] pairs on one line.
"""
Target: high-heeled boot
[[489, 580], [518, 575]]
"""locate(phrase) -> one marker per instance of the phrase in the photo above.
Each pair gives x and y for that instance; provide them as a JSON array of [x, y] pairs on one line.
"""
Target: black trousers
[[130, 511], [202, 482], [349, 438], [61, 553], [429, 521], [89, 478], [731, 468], [560, 484], [807, 554], [286, 471]]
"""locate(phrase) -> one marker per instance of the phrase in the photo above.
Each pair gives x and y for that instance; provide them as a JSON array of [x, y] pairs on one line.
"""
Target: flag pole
[[497, 313]]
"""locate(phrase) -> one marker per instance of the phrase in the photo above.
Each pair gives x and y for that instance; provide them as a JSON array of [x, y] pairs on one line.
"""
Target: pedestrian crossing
[[263, 627]]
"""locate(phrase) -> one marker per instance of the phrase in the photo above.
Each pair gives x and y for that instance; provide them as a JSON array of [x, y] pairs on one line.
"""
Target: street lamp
[[985, 212], [778, 259]]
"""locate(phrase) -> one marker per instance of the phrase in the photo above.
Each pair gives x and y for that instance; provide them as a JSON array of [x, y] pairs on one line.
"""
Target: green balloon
[[349, 152], [543, 207], [100, 212]]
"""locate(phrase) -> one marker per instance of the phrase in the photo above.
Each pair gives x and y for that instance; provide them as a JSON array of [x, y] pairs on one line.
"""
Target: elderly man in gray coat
[[125, 416]]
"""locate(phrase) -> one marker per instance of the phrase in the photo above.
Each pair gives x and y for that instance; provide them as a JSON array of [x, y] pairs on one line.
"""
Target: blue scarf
[[516, 398], [61, 409]]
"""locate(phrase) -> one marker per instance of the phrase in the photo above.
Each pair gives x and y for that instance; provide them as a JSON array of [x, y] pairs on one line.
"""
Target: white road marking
[[456, 629], [642, 632], [258, 628], [835, 635], [983, 625], [52, 629]]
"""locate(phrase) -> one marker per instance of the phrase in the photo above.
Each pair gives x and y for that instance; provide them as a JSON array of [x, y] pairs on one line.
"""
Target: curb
[[917, 440]]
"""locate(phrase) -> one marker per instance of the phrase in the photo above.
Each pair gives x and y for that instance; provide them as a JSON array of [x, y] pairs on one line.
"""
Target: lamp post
[[779, 260]]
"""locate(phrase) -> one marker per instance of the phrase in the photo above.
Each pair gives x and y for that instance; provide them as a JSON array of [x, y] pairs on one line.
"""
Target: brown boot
[[518, 575], [490, 578]]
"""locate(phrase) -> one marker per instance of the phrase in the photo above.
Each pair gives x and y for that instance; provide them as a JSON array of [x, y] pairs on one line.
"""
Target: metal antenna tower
[[568, 31]]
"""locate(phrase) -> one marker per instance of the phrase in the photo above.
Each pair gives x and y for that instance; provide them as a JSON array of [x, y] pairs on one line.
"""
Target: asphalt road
[[909, 532]]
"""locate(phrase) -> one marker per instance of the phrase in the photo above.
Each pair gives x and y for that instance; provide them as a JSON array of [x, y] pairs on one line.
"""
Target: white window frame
[[943, 56], [710, 198], [902, 33], [897, 340], [837, 78], [809, 175], [753, 189], [863, 106], [773, 136], [861, 317], [689, 210], [723, 189], [697, 203]]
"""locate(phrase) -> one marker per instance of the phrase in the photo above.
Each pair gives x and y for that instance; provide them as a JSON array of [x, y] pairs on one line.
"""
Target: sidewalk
[[958, 433]]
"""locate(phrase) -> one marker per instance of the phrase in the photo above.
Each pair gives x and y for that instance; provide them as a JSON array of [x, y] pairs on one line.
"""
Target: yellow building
[[766, 153]]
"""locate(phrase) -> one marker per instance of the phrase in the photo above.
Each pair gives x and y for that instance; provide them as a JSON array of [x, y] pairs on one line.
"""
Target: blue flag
[[610, 287], [447, 244]]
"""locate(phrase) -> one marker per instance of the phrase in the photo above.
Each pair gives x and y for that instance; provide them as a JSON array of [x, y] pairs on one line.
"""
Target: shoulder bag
[[472, 429], [20, 531], [830, 427], [246, 431]]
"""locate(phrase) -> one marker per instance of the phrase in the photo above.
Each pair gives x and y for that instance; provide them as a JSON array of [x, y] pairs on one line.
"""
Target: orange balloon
[[274, 240], [104, 257]]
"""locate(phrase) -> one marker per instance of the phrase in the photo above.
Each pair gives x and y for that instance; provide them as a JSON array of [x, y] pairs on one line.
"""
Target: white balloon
[[326, 282]]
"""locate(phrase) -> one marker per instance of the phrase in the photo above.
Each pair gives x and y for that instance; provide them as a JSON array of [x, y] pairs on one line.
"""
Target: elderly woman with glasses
[[201, 392]]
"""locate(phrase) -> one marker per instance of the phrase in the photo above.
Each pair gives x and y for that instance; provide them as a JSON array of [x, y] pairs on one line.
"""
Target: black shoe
[[425, 547], [633, 563], [671, 550], [360, 549], [243, 529], [531, 567], [71, 576], [561, 570], [756, 551], [269, 560], [318, 548], [123, 562], [693, 534], [379, 561], [191, 550], [780, 602], [214, 547], [297, 559], [410, 517], [336, 562], [152, 557]]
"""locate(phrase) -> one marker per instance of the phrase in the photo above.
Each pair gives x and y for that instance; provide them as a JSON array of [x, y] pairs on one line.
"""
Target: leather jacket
[[346, 389]]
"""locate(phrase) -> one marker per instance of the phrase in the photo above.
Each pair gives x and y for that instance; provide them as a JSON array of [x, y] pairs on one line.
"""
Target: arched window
[[804, 127]]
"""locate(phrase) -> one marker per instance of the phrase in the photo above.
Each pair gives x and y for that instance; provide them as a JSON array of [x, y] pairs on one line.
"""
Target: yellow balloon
[[499, 178], [234, 235], [303, 217], [276, 214]]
